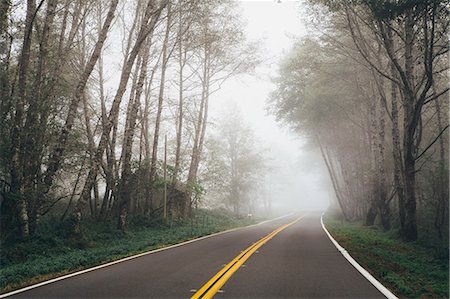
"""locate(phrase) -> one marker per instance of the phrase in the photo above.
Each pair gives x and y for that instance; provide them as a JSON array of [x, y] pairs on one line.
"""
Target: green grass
[[51, 253], [410, 270]]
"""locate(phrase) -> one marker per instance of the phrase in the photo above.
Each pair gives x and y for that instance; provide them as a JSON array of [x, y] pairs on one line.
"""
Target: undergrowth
[[51, 252], [408, 269]]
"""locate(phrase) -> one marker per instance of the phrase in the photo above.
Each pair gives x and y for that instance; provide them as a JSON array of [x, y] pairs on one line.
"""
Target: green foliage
[[197, 189], [51, 251], [412, 270], [235, 163], [313, 90]]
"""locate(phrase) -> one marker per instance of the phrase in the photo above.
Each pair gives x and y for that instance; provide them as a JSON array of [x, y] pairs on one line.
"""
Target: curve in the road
[[385, 291], [298, 262], [209, 289]]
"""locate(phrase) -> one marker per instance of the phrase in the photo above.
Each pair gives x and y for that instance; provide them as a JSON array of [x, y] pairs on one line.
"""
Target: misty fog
[[298, 179]]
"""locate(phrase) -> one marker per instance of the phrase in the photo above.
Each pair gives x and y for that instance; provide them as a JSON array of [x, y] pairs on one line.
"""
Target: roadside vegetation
[[409, 269], [86, 146], [51, 252], [102, 160], [368, 88]]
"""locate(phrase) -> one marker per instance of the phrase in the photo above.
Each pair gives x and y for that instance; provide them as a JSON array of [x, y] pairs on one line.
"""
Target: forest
[[115, 139], [104, 108], [369, 88]]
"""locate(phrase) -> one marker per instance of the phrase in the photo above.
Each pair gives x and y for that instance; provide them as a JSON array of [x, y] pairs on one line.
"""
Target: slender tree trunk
[[181, 64], [148, 24], [17, 187], [397, 152], [77, 18], [33, 134], [442, 204], [165, 59], [124, 192], [145, 128], [199, 132], [374, 162], [204, 125], [383, 204], [410, 228], [62, 32], [327, 160], [57, 153]]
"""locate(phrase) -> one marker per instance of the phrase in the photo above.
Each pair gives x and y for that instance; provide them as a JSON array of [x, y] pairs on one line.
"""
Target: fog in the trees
[[116, 110]]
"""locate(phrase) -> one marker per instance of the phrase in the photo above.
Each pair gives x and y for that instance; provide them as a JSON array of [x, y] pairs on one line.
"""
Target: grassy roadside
[[409, 270], [50, 254]]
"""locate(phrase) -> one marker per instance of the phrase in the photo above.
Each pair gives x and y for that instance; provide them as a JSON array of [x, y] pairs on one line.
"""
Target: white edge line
[[357, 266], [132, 257]]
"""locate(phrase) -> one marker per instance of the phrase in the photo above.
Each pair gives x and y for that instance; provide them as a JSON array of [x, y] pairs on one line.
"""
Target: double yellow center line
[[209, 289]]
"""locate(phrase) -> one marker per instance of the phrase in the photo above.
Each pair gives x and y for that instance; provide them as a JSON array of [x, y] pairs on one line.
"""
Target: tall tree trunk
[[165, 59], [383, 204], [33, 136], [199, 132], [58, 151], [410, 124], [17, 187], [34, 130], [442, 204], [149, 21], [332, 174], [374, 162], [147, 154], [124, 192], [397, 152], [181, 64], [5, 75]]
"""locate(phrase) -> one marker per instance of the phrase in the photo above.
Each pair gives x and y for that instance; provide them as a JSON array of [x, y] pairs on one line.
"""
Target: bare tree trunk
[[75, 23], [397, 152], [57, 153], [124, 185], [181, 64], [149, 21], [165, 59], [204, 125], [5, 75], [409, 231], [145, 133], [199, 131], [374, 158], [442, 204], [62, 32], [383, 204], [17, 187], [327, 160], [33, 133], [110, 159]]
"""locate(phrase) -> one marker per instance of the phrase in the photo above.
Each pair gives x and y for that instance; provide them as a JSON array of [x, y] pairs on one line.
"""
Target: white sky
[[271, 23], [298, 181], [276, 25]]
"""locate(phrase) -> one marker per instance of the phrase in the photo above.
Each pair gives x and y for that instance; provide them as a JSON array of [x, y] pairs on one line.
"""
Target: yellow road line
[[209, 289]]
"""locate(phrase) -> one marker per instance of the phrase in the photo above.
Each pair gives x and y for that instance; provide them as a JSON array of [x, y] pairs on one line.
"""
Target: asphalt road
[[298, 262]]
